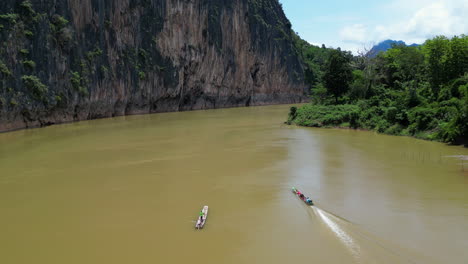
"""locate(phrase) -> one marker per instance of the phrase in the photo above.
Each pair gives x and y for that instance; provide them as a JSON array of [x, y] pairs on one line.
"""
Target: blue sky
[[355, 25]]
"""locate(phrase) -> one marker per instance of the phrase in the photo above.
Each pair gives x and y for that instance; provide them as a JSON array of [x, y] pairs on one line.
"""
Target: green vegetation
[[325, 115], [28, 33], [4, 69], [76, 80], [83, 91], [338, 73], [415, 91], [58, 22], [13, 102], [61, 34], [24, 52], [23, 20], [29, 64], [265, 20], [93, 54], [37, 88], [141, 75], [9, 18], [314, 59], [108, 23], [27, 10], [104, 70]]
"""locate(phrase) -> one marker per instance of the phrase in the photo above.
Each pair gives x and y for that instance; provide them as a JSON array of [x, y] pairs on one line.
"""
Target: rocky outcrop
[[67, 60]]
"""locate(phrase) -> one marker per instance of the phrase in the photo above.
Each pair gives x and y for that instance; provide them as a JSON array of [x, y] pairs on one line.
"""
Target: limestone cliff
[[69, 60]]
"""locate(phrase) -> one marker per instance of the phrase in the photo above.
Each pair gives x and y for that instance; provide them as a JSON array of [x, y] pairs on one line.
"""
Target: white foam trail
[[332, 222], [340, 233]]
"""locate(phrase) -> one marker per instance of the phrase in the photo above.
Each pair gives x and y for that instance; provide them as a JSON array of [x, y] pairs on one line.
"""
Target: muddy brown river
[[129, 189]]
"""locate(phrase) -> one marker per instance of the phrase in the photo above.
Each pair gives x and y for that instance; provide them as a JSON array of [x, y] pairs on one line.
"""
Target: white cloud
[[438, 18], [413, 22], [354, 33]]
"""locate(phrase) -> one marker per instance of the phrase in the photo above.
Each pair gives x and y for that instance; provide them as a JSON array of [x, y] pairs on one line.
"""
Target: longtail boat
[[202, 219], [301, 196]]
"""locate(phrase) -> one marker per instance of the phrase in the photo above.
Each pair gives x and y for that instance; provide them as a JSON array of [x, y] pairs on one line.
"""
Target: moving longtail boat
[[202, 218], [301, 196]]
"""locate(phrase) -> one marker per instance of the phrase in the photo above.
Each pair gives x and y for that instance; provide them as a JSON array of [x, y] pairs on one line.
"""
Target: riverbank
[[355, 116], [70, 117]]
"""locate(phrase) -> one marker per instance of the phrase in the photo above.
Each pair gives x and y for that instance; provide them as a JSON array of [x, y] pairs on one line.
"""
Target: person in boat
[[201, 216], [301, 196]]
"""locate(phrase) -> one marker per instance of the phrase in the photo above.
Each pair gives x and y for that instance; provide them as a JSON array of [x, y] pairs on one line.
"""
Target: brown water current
[[129, 189]]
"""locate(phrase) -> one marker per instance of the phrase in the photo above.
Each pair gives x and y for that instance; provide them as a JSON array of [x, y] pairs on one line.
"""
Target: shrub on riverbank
[[326, 115], [435, 121]]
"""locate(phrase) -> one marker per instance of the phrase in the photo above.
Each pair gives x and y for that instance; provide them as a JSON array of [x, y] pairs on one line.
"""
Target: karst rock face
[[69, 60]]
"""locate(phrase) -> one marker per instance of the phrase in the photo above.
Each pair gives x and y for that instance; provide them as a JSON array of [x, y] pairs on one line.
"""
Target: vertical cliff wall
[[68, 60]]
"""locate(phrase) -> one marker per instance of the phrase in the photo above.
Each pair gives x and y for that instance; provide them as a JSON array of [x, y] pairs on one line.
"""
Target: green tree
[[313, 59], [436, 57], [457, 57], [401, 64], [338, 74], [358, 86]]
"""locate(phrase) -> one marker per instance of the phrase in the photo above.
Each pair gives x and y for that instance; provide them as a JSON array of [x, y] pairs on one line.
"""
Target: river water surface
[[128, 190]]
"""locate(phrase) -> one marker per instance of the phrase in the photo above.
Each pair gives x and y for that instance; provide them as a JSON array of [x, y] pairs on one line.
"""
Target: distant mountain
[[386, 45]]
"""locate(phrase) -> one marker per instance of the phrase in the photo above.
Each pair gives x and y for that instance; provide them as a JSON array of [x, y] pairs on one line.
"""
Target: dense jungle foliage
[[417, 91]]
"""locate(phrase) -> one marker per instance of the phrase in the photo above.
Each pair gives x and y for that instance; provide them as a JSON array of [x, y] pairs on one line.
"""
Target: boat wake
[[332, 222], [352, 238]]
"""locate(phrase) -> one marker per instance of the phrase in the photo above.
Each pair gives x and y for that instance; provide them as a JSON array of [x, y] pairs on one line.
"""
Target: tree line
[[418, 91]]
